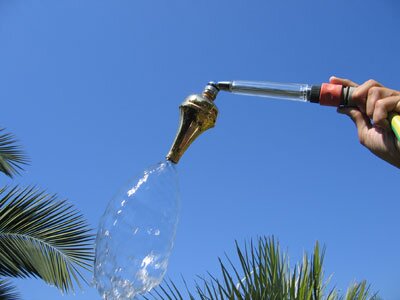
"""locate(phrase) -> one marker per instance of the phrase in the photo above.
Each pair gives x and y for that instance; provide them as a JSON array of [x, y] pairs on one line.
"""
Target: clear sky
[[92, 88]]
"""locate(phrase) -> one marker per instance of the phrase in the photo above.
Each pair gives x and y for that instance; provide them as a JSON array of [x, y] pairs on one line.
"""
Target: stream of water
[[136, 234]]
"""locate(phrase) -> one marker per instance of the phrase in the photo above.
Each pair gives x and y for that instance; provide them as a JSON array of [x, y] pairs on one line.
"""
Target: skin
[[374, 103]]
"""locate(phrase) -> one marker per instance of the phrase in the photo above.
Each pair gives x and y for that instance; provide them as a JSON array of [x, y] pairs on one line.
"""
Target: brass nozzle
[[197, 114]]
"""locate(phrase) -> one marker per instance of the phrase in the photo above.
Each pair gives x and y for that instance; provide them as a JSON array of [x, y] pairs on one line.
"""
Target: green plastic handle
[[394, 120]]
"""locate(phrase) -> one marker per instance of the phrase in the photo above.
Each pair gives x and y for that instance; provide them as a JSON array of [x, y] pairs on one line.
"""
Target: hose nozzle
[[197, 114]]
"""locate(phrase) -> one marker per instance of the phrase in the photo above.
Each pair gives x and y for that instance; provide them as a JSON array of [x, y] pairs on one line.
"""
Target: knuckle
[[372, 82], [374, 91], [380, 105]]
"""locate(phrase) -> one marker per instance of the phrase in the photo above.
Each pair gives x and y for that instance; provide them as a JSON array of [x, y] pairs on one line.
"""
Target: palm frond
[[265, 273], [8, 291], [43, 237], [11, 156], [360, 291]]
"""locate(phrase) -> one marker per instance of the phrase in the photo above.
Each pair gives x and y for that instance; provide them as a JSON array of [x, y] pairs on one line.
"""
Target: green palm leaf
[[11, 156], [359, 291], [8, 291], [42, 237], [264, 273]]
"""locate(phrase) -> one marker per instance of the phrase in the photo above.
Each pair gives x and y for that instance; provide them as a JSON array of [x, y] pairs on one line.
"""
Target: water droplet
[[135, 259]]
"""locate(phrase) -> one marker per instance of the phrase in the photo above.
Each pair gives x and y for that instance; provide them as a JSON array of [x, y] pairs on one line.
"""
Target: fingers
[[342, 81], [373, 102], [382, 109], [359, 96], [361, 93], [375, 94], [361, 121]]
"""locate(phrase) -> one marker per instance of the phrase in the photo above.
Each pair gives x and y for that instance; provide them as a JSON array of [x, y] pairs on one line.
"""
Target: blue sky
[[92, 89]]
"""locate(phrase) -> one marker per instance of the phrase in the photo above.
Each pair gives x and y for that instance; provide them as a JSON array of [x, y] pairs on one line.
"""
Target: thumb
[[342, 81], [361, 121]]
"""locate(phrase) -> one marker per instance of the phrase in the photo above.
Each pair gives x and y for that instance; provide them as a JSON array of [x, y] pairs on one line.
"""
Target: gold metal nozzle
[[197, 114]]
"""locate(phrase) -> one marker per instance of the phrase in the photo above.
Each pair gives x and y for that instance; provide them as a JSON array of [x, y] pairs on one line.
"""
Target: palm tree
[[40, 235], [265, 274]]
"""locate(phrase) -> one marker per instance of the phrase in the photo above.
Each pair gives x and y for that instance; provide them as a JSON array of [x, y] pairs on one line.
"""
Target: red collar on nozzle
[[331, 94]]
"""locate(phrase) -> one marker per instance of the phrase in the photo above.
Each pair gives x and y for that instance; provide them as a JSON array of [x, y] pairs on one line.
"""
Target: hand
[[374, 103]]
